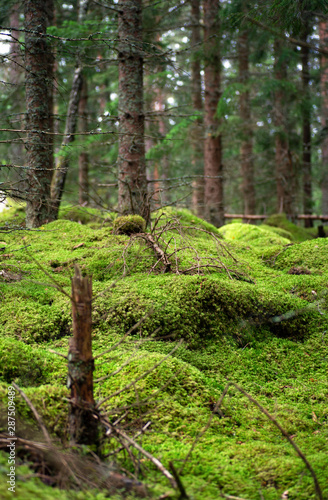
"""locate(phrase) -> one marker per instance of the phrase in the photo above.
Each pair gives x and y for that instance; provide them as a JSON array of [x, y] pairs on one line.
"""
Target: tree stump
[[83, 425]]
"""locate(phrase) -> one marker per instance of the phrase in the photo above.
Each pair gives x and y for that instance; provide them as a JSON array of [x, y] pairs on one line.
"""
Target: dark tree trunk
[[60, 173], [132, 196], [306, 155], [284, 170], [246, 150], [213, 169], [324, 117], [83, 156], [83, 425], [197, 131], [39, 109]]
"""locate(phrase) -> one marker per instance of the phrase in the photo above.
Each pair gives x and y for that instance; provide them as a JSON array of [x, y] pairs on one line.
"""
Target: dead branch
[[35, 413], [110, 429], [286, 435]]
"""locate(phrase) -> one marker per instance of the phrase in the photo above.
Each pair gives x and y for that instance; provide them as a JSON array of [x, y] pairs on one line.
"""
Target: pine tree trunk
[[132, 196], [213, 169], [60, 173], [83, 156], [197, 130], [246, 150], [39, 110], [16, 77], [323, 30], [284, 170], [306, 155]]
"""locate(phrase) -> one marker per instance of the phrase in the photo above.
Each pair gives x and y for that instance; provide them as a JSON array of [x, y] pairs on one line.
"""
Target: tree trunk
[[132, 195], [246, 150], [39, 109], [83, 426], [213, 169], [197, 130], [306, 146], [60, 173], [323, 30], [83, 156], [284, 171]]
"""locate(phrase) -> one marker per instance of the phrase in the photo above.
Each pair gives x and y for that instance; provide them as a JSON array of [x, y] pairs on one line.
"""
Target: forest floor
[[245, 304]]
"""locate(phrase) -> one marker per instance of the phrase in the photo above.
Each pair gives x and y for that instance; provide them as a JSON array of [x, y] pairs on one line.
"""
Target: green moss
[[129, 224], [280, 220], [255, 235]]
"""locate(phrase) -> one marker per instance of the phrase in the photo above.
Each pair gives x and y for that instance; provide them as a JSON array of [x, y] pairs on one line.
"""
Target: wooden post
[[83, 426]]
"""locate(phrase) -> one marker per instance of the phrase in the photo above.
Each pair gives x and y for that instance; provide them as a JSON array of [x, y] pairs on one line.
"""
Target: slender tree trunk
[[246, 151], [323, 30], [213, 169], [39, 109], [306, 155], [16, 77], [132, 195], [83, 156], [197, 131], [284, 170], [60, 173]]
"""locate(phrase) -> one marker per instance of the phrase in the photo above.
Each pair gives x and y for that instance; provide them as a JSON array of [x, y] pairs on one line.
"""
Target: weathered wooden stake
[[83, 425]]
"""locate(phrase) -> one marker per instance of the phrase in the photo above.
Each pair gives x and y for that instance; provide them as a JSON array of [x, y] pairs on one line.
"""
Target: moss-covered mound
[[280, 221], [256, 235], [252, 309]]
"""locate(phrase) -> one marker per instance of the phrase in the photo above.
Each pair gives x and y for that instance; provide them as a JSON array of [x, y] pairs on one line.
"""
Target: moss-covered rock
[[129, 224]]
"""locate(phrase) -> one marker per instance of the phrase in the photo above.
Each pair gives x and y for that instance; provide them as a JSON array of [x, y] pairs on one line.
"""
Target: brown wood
[[246, 150], [306, 115], [283, 159], [213, 168], [83, 425], [83, 156], [197, 129], [323, 32], [39, 110], [132, 191]]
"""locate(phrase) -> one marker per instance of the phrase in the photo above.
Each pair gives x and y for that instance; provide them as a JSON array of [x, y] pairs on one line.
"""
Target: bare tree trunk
[[306, 156], [323, 31], [39, 110], [16, 77], [83, 425], [284, 170], [132, 195], [197, 131], [83, 156], [60, 173], [213, 169], [246, 151]]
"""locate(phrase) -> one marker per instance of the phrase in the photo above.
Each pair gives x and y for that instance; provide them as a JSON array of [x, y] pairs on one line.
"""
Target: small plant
[[129, 224]]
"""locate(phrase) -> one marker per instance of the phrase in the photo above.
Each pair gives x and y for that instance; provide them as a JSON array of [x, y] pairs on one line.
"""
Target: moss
[[129, 224], [280, 220], [255, 235]]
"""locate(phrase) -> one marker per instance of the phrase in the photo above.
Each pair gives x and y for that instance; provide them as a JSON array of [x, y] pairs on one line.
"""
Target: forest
[[163, 249]]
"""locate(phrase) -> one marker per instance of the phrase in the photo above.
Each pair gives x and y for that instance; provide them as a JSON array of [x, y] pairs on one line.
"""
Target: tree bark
[[60, 173], [323, 32], [132, 195], [83, 425], [283, 160], [197, 130], [213, 169], [306, 146], [83, 156], [246, 150], [39, 110]]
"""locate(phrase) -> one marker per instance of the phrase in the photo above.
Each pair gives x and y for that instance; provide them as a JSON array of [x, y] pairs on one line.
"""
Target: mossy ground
[[265, 331]]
